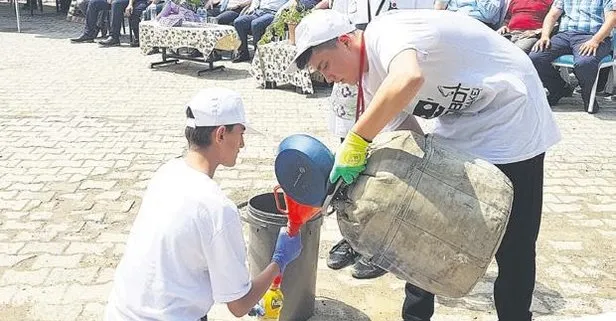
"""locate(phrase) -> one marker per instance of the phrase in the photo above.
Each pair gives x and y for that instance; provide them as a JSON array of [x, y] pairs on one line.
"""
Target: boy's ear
[[219, 133]]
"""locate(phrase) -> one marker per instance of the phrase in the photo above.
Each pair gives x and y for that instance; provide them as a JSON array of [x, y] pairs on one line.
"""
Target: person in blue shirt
[[584, 32], [486, 11]]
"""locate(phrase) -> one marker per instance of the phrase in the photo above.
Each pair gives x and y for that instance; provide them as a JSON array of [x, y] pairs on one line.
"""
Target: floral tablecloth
[[271, 62], [203, 37]]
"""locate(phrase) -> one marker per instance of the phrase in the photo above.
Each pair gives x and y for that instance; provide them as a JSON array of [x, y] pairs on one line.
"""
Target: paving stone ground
[[82, 129]]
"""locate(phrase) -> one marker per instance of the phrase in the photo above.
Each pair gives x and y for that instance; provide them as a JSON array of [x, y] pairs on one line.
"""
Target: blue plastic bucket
[[302, 168]]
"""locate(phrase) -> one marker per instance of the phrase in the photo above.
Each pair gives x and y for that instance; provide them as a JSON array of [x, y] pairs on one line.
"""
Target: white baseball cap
[[318, 27], [217, 106]]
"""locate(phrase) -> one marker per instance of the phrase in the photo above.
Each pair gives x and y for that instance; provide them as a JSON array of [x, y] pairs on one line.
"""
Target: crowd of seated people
[[584, 27], [95, 11]]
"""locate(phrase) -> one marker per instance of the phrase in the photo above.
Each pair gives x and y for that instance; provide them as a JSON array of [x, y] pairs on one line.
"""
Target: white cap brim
[[190, 122], [251, 130], [306, 36]]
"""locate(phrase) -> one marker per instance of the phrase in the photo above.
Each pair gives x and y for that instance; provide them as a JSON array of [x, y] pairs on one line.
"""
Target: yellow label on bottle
[[272, 304]]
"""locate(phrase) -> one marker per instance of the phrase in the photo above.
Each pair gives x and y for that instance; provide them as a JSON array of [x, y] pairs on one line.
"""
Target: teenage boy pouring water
[[486, 97]]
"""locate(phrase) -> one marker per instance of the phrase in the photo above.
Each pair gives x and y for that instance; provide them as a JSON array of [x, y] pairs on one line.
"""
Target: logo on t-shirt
[[456, 98]]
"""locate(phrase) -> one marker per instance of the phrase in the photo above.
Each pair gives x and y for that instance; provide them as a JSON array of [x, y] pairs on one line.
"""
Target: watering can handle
[[276, 189], [332, 190]]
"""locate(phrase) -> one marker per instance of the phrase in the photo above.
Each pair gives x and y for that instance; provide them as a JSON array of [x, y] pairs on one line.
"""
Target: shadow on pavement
[[327, 309], [189, 68], [546, 301], [46, 24]]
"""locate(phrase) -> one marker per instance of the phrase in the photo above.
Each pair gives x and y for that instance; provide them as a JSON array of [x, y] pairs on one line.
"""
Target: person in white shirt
[[342, 114], [487, 99], [186, 250]]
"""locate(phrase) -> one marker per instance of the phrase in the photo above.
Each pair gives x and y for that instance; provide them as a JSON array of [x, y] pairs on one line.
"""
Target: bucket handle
[[276, 189]]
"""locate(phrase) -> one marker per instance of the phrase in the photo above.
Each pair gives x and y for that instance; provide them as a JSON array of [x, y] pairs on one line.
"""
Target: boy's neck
[[200, 161]]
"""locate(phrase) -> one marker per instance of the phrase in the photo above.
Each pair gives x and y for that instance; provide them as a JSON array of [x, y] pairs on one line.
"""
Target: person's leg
[[418, 304], [117, 15], [135, 18], [214, 11], [227, 17], [90, 29], [557, 87], [513, 288], [526, 44], [258, 26], [83, 5], [242, 26], [586, 67]]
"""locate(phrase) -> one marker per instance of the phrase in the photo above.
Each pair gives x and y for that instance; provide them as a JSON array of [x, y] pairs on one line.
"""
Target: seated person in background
[[486, 11], [132, 8], [160, 4], [523, 22], [308, 4], [584, 32], [101, 22], [260, 15], [232, 11]]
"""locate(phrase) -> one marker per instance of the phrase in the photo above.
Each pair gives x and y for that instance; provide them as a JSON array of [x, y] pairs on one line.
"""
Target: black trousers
[[513, 288]]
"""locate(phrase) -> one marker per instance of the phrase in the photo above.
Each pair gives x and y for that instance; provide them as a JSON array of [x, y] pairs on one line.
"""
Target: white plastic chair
[[566, 61]]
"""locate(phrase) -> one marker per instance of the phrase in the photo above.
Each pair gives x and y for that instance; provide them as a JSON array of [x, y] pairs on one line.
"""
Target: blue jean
[[227, 17], [117, 14], [255, 24], [94, 7], [585, 67]]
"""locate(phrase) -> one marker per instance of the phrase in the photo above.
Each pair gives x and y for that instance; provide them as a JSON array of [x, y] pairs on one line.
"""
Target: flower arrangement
[[287, 20]]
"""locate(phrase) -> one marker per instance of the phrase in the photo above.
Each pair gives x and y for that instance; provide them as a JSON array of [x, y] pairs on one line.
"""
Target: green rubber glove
[[350, 159]]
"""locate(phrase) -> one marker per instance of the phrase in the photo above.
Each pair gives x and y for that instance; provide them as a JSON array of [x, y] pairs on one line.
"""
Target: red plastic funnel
[[297, 213]]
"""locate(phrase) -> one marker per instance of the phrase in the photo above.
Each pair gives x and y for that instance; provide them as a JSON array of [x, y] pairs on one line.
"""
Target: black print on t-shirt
[[461, 98], [346, 92], [428, 109]]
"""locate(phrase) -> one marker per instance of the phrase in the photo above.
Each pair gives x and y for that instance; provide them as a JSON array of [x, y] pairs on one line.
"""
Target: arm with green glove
[[402, 83]]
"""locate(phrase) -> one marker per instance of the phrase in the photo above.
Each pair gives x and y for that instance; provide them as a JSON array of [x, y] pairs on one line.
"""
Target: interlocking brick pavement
[[83, 128]]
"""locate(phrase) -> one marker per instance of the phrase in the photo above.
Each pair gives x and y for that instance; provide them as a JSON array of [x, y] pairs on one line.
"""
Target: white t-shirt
[[341, 117], [484, 90], [185, 251]]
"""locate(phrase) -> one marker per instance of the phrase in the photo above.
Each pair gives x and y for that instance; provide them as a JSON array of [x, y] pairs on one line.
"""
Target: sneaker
[[363, 269], [553, 99], [341, 255]]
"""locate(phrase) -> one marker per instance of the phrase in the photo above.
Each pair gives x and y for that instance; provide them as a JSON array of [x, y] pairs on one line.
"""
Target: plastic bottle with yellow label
[[272, 301]]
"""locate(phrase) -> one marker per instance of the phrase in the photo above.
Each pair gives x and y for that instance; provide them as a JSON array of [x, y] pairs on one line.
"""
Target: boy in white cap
[[489, 102], [185, 250]]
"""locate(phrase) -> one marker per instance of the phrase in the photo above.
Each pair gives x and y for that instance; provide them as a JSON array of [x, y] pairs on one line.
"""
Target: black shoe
[[82, 38], [242, 58], [366, 270], [134, 43], [553, 99], [341, 255], [110, 42]]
